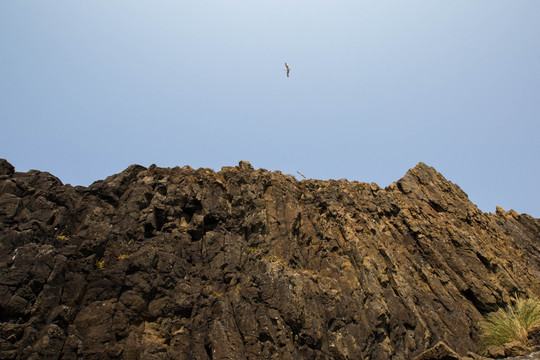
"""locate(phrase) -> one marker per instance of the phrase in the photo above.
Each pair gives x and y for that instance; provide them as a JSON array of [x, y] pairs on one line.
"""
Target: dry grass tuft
[[511, 324]]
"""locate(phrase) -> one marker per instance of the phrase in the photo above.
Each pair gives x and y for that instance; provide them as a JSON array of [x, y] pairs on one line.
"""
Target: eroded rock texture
[[178, 263]]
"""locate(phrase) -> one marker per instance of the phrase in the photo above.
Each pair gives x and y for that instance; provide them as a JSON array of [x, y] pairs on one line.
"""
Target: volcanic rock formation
[[161, 263]]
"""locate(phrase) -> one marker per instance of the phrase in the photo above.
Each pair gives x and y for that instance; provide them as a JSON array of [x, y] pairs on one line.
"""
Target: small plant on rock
[[511, 324], [100, 264]]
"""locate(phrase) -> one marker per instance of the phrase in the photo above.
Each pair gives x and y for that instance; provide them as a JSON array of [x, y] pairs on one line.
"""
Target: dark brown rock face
[[249, 264]]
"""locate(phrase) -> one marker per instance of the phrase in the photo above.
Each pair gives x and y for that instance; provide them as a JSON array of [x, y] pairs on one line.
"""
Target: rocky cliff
[[161, 263]]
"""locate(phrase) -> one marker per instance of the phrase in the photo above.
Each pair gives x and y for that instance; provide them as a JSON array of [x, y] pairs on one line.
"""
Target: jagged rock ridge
[[159, 263]]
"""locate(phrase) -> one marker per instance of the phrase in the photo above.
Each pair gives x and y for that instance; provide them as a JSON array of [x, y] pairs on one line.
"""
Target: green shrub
[[511, 324]]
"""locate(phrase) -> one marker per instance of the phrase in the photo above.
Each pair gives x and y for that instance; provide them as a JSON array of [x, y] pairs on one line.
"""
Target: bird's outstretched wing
[[288, 69]]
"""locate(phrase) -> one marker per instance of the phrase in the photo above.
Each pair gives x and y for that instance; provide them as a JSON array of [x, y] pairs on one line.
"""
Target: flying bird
[[287, 69]]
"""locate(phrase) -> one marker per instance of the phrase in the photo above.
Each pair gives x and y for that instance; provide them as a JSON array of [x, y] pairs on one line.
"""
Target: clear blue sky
[[89, 87]]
